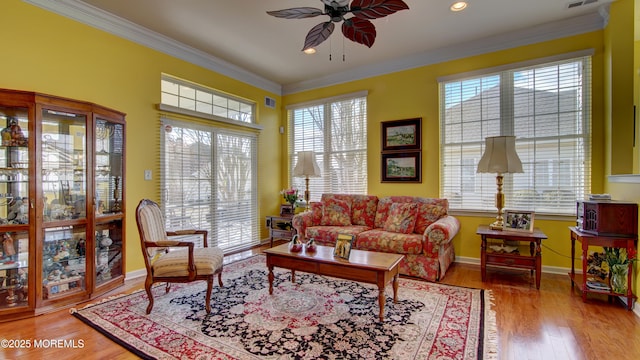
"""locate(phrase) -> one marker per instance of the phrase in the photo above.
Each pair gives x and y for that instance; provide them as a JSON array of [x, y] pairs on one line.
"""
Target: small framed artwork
[[343, 246], [517, 220], [286, 210], [402, 167], [402, 134]]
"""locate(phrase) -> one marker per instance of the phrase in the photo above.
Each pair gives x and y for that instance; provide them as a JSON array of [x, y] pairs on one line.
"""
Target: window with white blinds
[[209, 182], [336, 130], [547, 106]]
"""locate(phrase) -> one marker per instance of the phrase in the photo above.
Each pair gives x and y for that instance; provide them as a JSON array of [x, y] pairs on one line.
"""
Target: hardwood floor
[[550, 323]]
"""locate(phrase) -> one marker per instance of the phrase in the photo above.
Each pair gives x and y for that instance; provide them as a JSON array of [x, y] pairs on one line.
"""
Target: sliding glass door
[[209, 182]]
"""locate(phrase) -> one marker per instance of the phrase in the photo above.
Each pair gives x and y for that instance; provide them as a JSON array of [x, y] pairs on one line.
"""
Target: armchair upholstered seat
[[174, 261]]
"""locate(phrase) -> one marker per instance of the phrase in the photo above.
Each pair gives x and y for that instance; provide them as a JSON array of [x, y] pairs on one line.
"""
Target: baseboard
[[545, 269], [135, 274]]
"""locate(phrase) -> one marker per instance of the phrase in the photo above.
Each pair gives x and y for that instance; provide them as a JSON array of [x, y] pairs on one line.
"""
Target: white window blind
[[209, 182], [547, 107], [336, 130]]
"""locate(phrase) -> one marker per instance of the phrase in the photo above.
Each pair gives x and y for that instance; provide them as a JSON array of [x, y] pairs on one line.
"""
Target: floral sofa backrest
[[334, 209], [427, 211]]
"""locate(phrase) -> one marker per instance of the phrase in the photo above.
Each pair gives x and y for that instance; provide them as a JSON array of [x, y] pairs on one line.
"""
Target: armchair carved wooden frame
[[174, 261]]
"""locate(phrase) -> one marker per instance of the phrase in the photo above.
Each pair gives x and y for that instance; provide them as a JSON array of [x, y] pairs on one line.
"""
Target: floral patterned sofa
[[419, 228]]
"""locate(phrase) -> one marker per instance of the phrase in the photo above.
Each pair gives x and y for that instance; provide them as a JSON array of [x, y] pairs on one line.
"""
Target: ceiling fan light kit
[[458, 6], [357, 28]]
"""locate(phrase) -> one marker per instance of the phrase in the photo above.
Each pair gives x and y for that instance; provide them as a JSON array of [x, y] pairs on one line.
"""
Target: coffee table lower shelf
[[363, 266]]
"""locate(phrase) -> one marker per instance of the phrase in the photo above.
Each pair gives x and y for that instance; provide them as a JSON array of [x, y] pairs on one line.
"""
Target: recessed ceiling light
[[458, 6], [310, 51]]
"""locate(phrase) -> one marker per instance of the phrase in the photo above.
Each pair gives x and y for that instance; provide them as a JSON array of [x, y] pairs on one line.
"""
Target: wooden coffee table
[[364, 266]]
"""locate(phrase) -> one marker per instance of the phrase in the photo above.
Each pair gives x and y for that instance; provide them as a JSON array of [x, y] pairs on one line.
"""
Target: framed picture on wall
[[402, 134], [402, 167]]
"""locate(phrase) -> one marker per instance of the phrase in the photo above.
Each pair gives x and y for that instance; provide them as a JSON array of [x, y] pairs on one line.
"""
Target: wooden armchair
[[174, 261]]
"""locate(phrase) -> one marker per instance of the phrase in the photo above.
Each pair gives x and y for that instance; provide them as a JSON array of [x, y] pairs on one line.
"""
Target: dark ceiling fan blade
[[374, 9], [359, 30], [296, 13], [318, 34]]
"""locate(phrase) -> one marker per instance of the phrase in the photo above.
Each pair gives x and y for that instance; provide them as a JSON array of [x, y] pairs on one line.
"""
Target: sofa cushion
[[426, 215], [389, 242], [384, 206], [327, 235], [336, 212], [316, 212], [363, 207], [363, 210], [402, 218]]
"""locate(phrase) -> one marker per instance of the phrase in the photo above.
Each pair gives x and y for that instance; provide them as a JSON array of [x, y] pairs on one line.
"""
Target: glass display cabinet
[[62, 210], [16, 252]]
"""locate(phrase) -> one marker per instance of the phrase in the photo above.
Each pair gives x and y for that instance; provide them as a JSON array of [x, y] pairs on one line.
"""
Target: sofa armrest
[[301, 221], [440, 233]]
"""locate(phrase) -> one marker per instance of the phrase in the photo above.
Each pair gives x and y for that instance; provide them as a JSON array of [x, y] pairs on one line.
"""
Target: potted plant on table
[[618, 261], [291, 196]]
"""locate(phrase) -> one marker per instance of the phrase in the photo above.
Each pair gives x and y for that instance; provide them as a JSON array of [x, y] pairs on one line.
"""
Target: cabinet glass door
[[64, 189], [109, 247], [64, 159], [109, 151], [109, 240], [64, 261], [14, 209]]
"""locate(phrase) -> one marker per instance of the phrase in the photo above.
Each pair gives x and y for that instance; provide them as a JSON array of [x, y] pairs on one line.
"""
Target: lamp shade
[[307, 165], [500, 156]]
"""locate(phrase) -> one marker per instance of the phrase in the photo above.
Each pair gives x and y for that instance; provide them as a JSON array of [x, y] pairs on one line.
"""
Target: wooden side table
[[280, 227], [586, 240], [533, 261]]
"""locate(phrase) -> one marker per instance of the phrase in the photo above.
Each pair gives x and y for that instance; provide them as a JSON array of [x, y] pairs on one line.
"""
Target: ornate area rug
[[317, 317]]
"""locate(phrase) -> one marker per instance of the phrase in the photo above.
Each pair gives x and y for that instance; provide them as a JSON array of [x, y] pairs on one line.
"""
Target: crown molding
[[100, 19], [549, 31]]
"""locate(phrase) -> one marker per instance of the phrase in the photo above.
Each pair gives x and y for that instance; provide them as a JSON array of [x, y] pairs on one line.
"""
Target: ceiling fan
[[357, 28]]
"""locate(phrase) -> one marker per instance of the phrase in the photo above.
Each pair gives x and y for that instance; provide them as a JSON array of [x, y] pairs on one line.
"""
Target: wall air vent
[[580, 3], [269, 102]]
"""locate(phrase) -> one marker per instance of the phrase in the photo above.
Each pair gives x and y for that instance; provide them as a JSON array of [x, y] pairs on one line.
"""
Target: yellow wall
[[47, 53], [636, 102], [618, 88], [414, 93], [627, 55]]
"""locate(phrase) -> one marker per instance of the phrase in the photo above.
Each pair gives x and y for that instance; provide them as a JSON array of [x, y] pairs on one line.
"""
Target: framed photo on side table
[[286, 210], [343, 246], [518, 220]]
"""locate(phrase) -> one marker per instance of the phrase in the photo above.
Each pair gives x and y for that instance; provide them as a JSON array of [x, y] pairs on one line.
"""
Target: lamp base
[[497, 225]]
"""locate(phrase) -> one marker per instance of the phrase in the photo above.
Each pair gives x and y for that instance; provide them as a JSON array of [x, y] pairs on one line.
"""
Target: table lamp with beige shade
[[306, 167], [500, 157]]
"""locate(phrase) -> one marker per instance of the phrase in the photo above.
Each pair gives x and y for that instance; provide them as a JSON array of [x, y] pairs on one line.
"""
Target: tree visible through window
[[209, 183], [336, 130]]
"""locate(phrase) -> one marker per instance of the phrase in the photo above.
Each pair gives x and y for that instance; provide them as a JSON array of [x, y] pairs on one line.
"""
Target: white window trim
[[177, 110]]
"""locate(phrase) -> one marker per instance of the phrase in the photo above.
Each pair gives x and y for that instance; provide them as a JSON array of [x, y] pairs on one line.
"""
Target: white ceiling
[[238, 34]]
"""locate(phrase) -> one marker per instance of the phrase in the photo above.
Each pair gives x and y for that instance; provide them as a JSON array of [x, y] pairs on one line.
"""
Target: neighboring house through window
[[547, 106]]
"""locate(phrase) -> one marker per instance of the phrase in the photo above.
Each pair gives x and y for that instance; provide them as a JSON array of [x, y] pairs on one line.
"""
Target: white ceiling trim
[[555, 30], [110, 23]]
